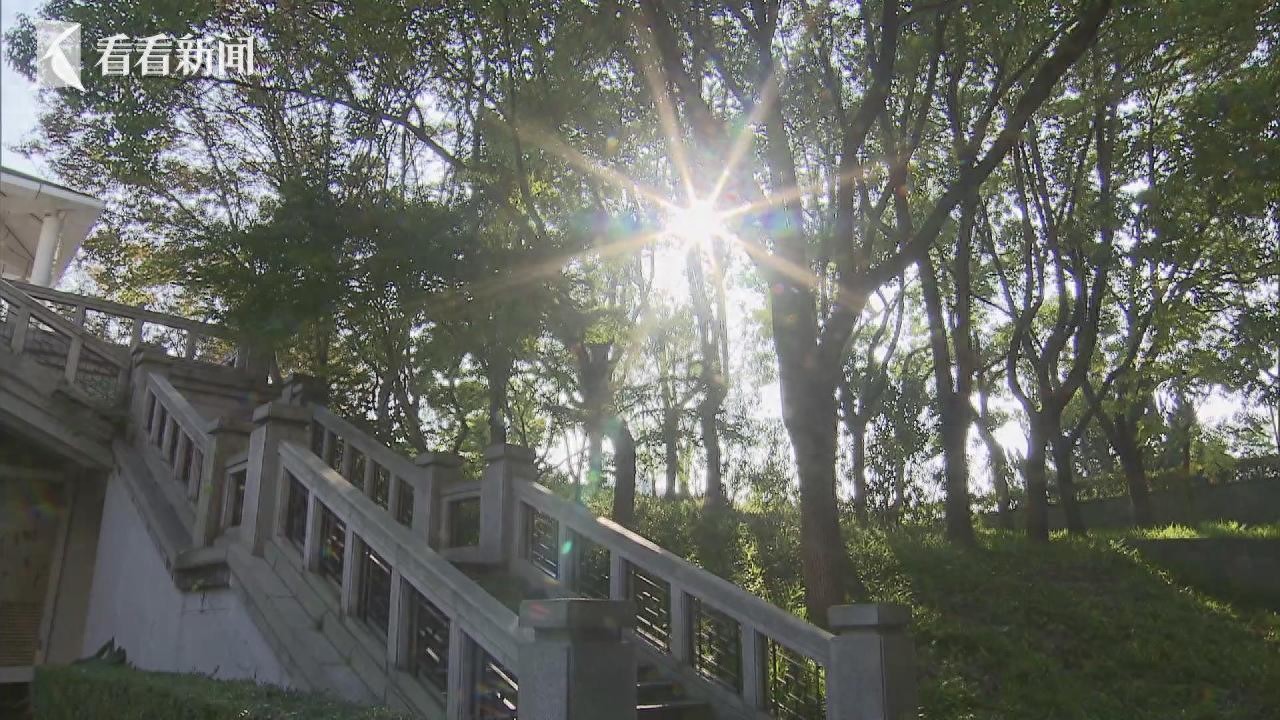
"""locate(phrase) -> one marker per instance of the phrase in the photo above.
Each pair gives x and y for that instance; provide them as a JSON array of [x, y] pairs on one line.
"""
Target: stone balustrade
[[745, 651], [438, 624], [33, 330], [128, 326], [383, 533], [175, 438]]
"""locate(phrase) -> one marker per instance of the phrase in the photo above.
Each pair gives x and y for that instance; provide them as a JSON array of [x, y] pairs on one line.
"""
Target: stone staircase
[[395, 580]]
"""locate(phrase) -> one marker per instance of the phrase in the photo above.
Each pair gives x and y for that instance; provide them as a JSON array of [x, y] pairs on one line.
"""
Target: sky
[[17, 96]]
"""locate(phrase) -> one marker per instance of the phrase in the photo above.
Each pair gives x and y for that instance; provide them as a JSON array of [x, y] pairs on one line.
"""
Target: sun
[[695, 223]]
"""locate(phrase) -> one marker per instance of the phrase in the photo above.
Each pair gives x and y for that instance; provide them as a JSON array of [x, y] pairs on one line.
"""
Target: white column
[[50, 231]]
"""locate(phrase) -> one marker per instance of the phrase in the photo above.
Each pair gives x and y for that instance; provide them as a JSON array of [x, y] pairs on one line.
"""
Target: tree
[[820, 279]]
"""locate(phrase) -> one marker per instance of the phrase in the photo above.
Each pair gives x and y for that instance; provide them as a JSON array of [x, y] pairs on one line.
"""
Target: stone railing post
[[439, 469], [577, 666], [273, 424], [872, 672], [504, 464], [144, 361], [227, 438]]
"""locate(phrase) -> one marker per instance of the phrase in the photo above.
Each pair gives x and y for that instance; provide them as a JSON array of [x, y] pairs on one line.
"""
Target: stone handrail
[[193, 331], [474, 615], [368, 446], [176, 433], [110, 366], [761, 632], [413, 489], [751, 611]]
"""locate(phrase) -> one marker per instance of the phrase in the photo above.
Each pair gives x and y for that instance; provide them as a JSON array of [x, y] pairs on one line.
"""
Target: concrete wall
[[134, 601], [1244, 566], [1254, 502], [75, 578]]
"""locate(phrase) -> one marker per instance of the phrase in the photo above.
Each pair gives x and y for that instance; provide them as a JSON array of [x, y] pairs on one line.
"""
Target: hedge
[[100, 691]]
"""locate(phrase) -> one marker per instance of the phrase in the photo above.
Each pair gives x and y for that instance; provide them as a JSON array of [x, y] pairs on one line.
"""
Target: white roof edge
[[78, 200]]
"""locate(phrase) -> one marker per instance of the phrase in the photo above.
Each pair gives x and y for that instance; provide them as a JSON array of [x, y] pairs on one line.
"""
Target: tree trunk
[[711, 444], [624, 482], [953, 411], [382, 421], [955, 432], [499, 378], [1125, 443], [899, 492], [1037, 496], [859, 432], [710, 339], [825, 563], [595, 461], [999, 474], [1063, 451], [671, 440]]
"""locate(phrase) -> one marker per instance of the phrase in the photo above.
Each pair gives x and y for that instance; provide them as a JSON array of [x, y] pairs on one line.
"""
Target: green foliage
[[98, 691]]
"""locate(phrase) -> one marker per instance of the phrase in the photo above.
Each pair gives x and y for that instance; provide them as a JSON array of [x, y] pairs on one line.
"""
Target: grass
[[1209, 530], [1079, 629], [99, 691]]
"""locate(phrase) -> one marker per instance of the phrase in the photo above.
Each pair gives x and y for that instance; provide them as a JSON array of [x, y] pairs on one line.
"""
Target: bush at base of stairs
[[98, 691]]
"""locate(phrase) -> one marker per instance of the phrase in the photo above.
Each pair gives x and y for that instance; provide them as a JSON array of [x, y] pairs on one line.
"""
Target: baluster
[[180, 449], [681, 630], [166, 437], [73, 358], [393, 494], [77, 315], [312, 542], [569, 552], [21, 320], [755, 657], [193, 343], [158, 423], [195, 466], [370, 475], [461, 681], [348, 459], [326, 452], [619, 583], [135, 336], [397, 624], [350, 594]]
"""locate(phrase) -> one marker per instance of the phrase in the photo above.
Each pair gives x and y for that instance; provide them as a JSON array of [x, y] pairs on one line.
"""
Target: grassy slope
[[1077, 629], [97, 691]]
